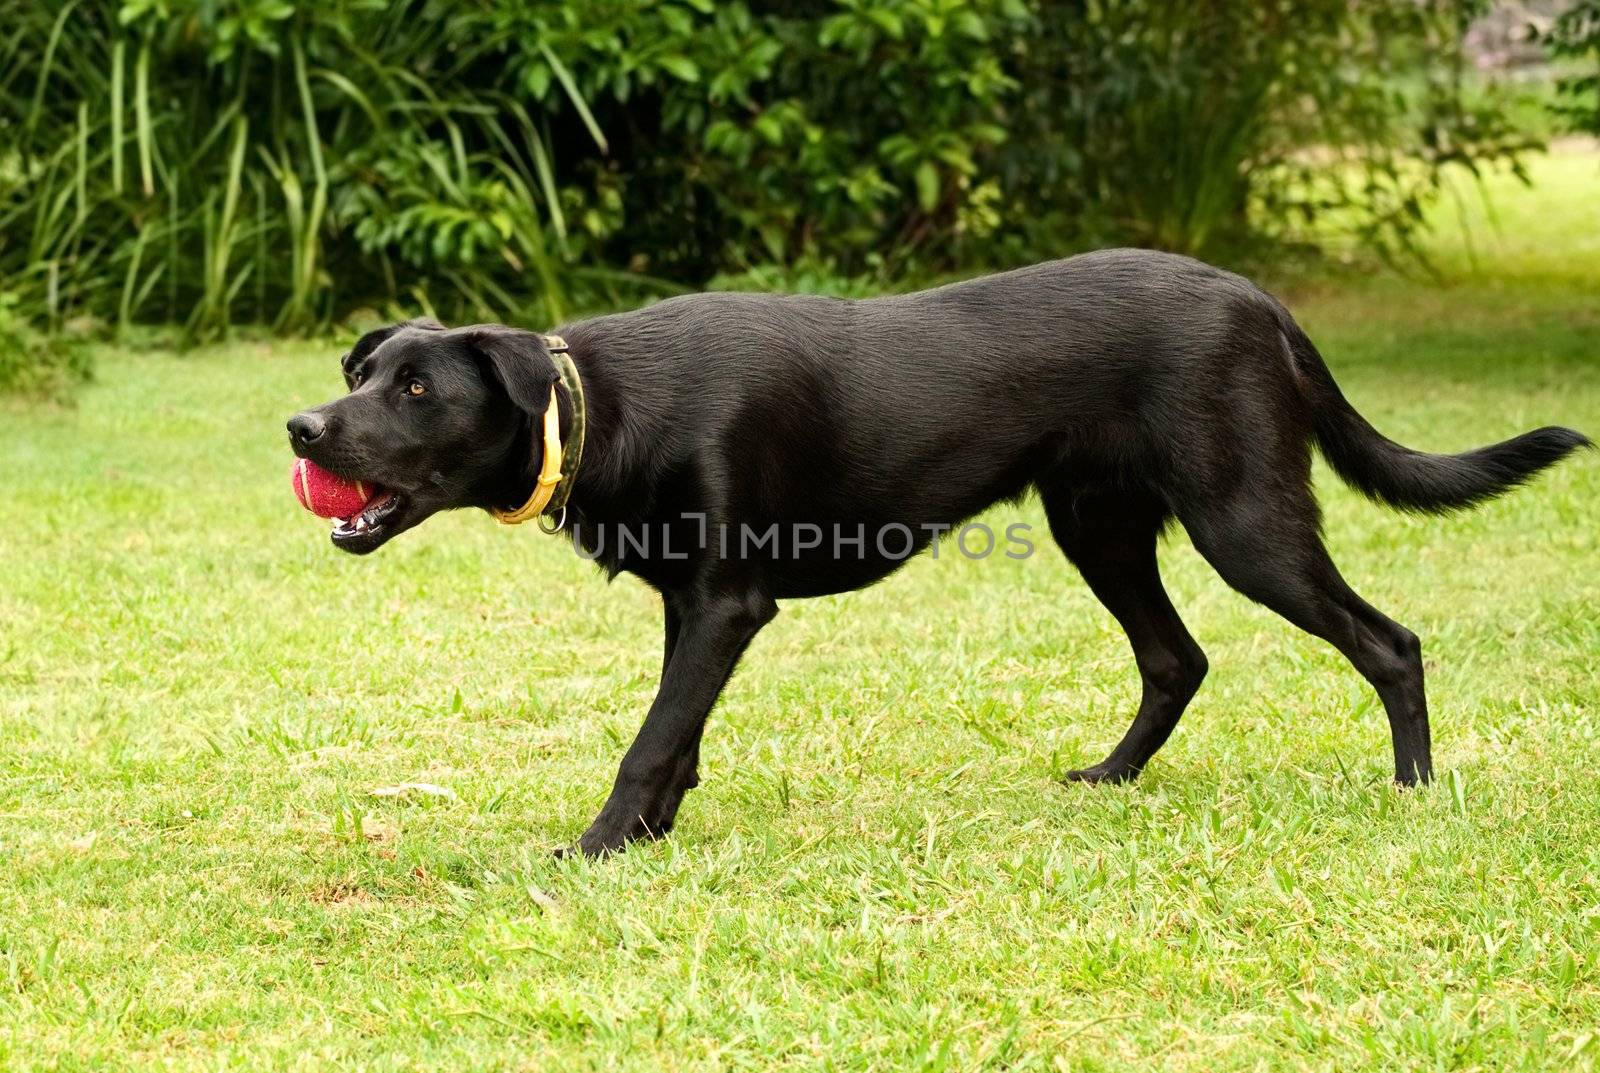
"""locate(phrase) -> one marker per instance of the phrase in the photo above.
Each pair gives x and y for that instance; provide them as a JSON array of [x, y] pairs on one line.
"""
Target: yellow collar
[[550, 477]]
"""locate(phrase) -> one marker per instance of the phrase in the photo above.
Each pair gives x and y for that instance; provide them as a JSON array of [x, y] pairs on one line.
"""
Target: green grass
[[881, 871]]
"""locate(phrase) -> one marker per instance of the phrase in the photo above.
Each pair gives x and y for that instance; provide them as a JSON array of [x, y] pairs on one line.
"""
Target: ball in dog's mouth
[[367, 527], [362, 512]]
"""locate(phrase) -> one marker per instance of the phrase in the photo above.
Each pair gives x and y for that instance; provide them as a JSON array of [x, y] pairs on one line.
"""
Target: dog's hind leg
[[1111, 538], [1269, 549]]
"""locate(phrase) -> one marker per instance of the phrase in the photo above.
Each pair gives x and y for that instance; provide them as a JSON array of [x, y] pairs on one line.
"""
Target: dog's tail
[[1415, 480]]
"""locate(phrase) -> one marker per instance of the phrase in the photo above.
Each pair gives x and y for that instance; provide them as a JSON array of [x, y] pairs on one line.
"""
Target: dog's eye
[[356, 378], [416, 387]]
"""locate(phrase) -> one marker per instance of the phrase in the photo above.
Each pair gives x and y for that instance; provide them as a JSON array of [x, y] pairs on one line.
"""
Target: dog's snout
[[306, 427]]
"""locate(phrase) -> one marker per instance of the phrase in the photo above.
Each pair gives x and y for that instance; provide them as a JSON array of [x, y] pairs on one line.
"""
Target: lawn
[[881, 870]]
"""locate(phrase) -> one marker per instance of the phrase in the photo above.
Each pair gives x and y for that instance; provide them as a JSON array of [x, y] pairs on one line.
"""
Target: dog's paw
[[594, 848], [605, 837], [1108, 774], [572, 852]]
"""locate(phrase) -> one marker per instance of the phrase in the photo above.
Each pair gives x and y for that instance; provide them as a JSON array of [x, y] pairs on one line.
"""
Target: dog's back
[[1124, 365]]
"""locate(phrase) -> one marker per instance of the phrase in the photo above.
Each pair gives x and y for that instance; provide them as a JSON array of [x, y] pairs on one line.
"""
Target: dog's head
[[435, 419]]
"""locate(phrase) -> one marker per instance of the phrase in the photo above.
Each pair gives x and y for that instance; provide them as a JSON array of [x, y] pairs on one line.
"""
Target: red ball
[[326, 495]]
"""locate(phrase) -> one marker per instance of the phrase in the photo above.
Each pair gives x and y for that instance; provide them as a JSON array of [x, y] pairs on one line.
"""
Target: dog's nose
[[306, 427]]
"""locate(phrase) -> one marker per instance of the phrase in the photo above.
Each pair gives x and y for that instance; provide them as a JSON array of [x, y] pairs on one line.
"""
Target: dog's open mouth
[[374, 523]]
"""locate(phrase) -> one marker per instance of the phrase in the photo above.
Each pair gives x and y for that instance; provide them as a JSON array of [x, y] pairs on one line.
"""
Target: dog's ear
[[373, 339], [519, 361]]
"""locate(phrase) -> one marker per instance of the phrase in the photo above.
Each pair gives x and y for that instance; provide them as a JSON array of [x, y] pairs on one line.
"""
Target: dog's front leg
[[711, 633]]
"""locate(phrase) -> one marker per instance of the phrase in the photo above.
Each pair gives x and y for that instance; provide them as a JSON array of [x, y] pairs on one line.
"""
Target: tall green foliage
[[204, 162], [209, 162], [1574, 39], [1206, 125]]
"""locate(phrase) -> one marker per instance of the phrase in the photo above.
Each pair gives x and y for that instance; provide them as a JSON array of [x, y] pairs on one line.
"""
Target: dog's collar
[[559, 468]]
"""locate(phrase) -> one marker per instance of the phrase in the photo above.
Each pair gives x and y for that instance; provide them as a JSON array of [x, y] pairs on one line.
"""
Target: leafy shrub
[[214, 161], [918, 136], [1575, 37], [36, 363], [1200, 127], [205, 162]]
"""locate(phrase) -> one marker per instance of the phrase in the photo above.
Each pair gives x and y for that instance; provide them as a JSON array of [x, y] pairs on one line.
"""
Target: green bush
[[207, 162], [1209, 126], [36, 363], [1574, 39]]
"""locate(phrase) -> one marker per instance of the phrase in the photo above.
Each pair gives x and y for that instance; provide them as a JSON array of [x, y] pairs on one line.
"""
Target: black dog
[[743, 449]]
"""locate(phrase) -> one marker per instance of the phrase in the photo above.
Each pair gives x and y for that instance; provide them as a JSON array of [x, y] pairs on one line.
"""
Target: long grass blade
[[574, 95], [125, 307], [241, 141], [46, 66], [81, 185], [354, 92], [118, 73], [306, 278], [141, 115], [541, 164]]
